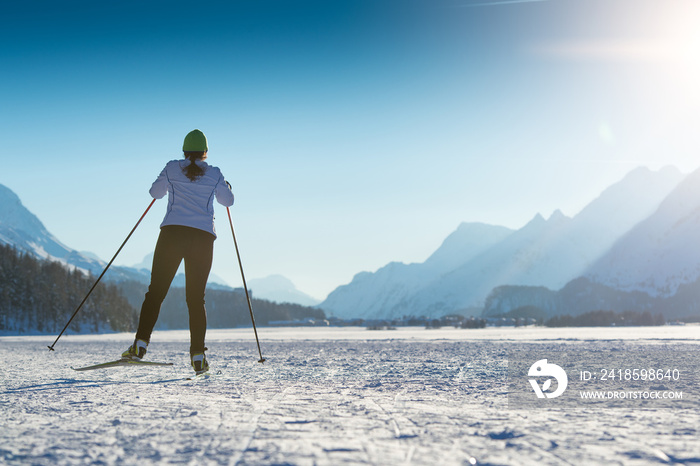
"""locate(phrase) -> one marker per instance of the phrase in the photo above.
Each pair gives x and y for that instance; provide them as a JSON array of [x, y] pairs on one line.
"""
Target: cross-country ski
[[121, 362]]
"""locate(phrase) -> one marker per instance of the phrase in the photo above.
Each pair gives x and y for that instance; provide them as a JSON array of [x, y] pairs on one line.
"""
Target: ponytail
[[193, 171]]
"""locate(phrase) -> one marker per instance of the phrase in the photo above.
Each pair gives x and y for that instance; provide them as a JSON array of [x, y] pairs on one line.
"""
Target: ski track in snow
[[314, 402]]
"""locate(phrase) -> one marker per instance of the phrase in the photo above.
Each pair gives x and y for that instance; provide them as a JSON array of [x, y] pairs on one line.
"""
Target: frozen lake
[[333, 396]]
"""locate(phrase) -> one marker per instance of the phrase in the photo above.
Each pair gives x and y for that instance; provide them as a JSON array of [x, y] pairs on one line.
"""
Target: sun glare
[[681, 41]]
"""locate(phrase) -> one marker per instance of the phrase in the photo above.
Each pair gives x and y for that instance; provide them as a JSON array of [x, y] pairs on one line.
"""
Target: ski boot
[[199, 363], [136, 351]]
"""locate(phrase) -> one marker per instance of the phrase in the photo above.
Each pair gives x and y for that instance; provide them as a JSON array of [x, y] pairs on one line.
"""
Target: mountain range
[[608, 243], [632, 246], [23, 230], [661, 252], [280, 289]]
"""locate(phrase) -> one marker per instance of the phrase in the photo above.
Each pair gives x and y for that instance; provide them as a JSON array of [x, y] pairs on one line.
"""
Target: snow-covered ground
[[331, 396]]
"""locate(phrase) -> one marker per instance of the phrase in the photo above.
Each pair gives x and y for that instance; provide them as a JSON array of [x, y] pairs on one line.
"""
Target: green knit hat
[[195, 141]]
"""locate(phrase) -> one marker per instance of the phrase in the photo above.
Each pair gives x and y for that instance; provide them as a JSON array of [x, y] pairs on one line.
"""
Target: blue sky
[[355, 133]]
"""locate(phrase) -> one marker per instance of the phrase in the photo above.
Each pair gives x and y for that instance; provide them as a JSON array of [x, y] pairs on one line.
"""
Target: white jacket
[[191, 203]]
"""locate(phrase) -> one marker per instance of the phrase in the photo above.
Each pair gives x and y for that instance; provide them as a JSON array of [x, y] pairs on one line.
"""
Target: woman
[[188, 233]]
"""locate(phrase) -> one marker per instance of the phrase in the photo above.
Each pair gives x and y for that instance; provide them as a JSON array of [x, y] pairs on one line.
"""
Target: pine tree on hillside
[[40, 296]]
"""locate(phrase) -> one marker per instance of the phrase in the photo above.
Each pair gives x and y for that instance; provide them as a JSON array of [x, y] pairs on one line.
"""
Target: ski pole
[[101, 275], [245, 287]]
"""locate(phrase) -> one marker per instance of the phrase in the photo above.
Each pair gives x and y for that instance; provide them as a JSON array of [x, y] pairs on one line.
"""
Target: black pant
[[196, 247]]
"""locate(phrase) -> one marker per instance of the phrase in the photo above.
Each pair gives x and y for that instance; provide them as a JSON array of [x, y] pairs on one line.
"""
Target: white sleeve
[[224, 195], [159, 188]]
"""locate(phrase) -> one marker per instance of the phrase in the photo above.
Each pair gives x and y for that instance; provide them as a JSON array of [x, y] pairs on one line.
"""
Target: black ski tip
[[51, 348], [262, 360]]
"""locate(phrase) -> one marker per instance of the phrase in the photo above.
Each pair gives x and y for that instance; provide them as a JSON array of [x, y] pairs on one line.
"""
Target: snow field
[[325, 402]]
